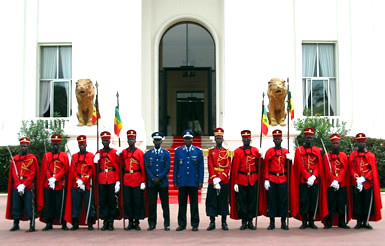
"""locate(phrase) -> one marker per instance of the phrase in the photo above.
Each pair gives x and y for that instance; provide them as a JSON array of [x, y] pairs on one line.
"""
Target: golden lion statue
[[85, 92], [277, 92]]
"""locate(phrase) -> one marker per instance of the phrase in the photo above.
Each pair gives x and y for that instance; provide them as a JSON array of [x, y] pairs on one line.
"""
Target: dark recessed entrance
[[187, 91]]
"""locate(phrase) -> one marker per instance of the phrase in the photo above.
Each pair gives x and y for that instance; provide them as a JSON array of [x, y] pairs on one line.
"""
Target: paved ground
[[234, 236]]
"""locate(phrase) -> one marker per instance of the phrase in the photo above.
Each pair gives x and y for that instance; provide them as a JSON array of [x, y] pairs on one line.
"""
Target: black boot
[[212, 223], [31, 226], [250, 225], [283, 224], [359, 224], [105, 225], [90, 223], [328, 222], [48, 225], [136, 225], [111, 224], [341, 223], [304, 222], [311, 222], [244, 225], [15, 226], [130, 225], [224, 223], [64, 225], [272, 224], [75, 224]]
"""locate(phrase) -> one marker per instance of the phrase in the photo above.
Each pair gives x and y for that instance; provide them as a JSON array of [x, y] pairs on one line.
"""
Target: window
[[55, 81], [319, 79]]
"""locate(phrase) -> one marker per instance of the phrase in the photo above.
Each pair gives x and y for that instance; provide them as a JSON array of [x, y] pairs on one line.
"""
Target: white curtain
[[333, 95], [309, 58], [306, 88], [326, 59], [45, 97], [66, 61]]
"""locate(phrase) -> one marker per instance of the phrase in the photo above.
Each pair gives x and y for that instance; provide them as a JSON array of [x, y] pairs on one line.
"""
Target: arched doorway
[[187, 86]]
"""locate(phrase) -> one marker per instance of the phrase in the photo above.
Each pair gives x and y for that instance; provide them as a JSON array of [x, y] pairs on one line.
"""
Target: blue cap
[[157, 135], [188, 134]]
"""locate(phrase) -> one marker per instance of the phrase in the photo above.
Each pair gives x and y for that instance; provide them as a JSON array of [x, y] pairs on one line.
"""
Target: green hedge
[[5, 160]]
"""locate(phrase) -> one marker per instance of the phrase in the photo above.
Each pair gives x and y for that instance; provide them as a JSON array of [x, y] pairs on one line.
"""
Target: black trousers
[[247, 201], [21, 204], [152, 200], [107, 201], [192, 193], [217, 201], [133, 203], [361, 203], [53, 204], [308, 198], [337, 200], [277, 198], [77, 197]]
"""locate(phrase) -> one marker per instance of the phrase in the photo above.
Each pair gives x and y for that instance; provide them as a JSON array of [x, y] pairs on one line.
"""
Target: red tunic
[[28, 169], [245, 161], [365, 164], [308, 162], [219, 163], [133, 166], [53, 165], [109, 171], [82, 167], [338, 170]]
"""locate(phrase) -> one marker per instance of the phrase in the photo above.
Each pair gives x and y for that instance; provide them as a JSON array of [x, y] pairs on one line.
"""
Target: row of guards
[[333, 189]]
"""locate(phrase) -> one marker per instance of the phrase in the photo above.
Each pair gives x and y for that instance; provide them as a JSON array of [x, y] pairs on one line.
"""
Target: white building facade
[[183, 63]]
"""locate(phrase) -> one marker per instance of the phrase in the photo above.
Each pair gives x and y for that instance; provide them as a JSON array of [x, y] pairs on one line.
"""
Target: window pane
[[60, 100], [201, 49], [326, 60], [65, 62], [309, 58], [173, 47], [48, 62], [318, 97]]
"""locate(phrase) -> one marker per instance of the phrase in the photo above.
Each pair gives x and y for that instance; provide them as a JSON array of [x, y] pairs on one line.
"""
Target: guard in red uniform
[[365, 185], [219, 163], [134, 182], [277, 181], [53, 184], [336, 167], [107, 162], [308, 173], [81, 188], [22, 183], [244, 181]]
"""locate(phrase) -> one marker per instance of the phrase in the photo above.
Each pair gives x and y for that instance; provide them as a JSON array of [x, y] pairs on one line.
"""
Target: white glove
[[310, 181], [262, 153], [97, 158], [79, 182], [52, 180], [217, 180], [334, 184], [82, 187], [119, 151], [52, 186], [236, 189], [217, 186], [117, 186], [360, 179], [20, 188], [360, 187], [267, 184], [289, 156], [313, 178], [142, 186]]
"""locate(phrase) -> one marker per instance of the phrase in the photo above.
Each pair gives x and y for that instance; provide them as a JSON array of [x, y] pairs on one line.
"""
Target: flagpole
[[263, 108], [288, 115], [288, 149], [117, 101], [97, 147]]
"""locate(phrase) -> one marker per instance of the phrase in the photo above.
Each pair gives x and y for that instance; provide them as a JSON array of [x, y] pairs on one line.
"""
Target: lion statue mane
[[277, 92], [85, 92]]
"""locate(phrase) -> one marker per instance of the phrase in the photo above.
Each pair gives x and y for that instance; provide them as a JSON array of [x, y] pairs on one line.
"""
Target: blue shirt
[[157, 165], [188, 166]]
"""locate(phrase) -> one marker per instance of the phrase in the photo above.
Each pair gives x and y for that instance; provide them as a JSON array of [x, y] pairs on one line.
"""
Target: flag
[[290, 106], [265, 122], [118, 124], [95, 116]]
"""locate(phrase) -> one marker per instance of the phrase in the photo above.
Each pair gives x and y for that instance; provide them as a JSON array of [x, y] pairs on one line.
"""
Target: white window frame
[[309, 82], [55, 80]]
